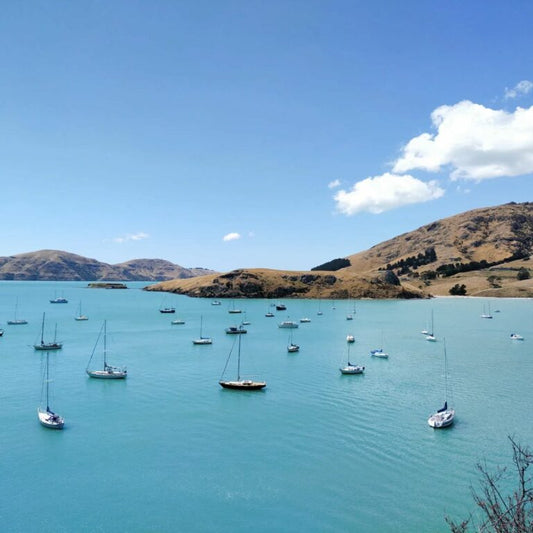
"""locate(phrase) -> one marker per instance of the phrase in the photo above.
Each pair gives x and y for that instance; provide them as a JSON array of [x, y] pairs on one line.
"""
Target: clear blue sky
[[299, 131]]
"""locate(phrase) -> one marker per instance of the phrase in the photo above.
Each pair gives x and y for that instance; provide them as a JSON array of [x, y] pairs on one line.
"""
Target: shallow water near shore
[[169, 450]]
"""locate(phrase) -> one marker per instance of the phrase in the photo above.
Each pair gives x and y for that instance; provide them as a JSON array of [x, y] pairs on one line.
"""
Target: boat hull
[[50, 420], [48, 346], [442, 420], [202, 341], [352, 369], [107, 374], [243, 385]]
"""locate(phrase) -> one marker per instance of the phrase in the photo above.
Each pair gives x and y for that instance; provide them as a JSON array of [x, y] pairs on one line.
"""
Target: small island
[[107, 285]]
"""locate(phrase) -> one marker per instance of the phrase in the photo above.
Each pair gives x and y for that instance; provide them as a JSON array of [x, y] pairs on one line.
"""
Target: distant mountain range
[[55, 265], [483, 252]]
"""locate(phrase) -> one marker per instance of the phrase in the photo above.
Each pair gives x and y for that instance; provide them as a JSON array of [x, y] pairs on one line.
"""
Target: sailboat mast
[[105, 343], [47, 382], [42, 331], [239, 360]]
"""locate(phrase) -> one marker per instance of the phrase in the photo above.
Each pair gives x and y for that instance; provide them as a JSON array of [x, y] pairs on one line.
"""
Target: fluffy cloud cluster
[[521, 88], [231, 237], [382, 193], [134, 237], [475, 141]]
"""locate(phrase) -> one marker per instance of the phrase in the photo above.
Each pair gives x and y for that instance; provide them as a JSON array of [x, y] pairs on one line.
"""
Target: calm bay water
[[170, 450]]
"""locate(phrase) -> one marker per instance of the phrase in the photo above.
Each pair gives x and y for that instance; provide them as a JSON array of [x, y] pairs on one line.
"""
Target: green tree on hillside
[[523, 273]]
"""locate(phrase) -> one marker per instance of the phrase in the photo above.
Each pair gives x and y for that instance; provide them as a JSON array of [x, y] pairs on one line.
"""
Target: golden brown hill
[[492, 234], [264, 283], [483, 249]]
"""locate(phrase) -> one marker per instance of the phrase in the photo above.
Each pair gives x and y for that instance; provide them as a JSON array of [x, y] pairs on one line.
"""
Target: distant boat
[[167, 310], [350, 368], [305, 320], [1, 332], [108, 371], [59, 300], [80, 316], [234, 330], [486, 314], [319, 312], [269, 314], [288, 324], [516, 337], [233, 310], [239, 383], [179, 321], [378, 352], [350, 316], [281, 307], [201, 339], [47, 417], [215, 302], [54, 345], [350, 338], [17, 321], [292, 347], [443, 417], [430, 336], [245, 322]]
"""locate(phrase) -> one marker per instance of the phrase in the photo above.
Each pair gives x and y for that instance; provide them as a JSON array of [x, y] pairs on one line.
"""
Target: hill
[[264, 283], [55, 265], [483, 249]]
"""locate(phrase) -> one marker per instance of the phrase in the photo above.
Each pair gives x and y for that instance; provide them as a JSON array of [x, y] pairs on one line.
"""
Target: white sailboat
[[350, 368], [443, 417], [54, 345], [17, 321], [108, 371], [292, 347], [80, 316], [378, 352], [46, 416], [239, 383], [486, 314], [430, 336], [201, 339]]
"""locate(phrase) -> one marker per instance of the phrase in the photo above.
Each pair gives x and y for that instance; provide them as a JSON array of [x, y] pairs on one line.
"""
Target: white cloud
[[334, 184], [521, 88], [231, 237], [475, 141], [383, 193], [131, 237]]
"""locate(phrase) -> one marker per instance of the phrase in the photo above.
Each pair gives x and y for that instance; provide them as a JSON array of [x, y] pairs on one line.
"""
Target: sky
[[257, 134]]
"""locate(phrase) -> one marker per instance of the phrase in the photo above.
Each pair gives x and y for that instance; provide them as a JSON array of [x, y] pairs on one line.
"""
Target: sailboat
[[54, 345], [80, 316], [486, 314], [350, 368], [430, 334], [17, 321], [319, 312], [47, 417], [292, 348], [443, 417], [233, 310], [201, 339], [378, 352], [59, 300], [239, 383], [349, 316], [108, 372]]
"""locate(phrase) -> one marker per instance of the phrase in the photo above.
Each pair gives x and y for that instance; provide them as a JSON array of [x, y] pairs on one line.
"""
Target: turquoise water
[[170, 450]]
